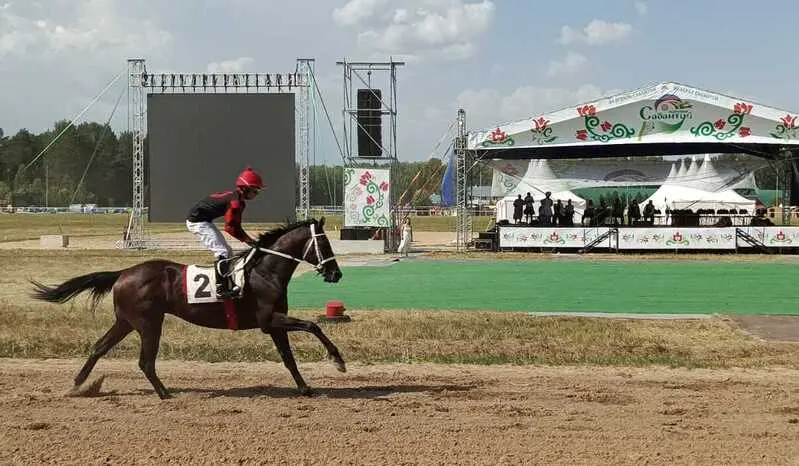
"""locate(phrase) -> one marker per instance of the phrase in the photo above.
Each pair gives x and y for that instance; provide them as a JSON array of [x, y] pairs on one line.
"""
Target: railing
[[314, 210]]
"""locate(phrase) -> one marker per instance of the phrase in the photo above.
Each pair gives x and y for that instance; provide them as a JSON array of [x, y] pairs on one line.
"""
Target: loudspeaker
[[356, 234], [370, 119]]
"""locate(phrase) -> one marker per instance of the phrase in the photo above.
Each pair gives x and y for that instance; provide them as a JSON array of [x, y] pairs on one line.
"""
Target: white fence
[[316, 211]]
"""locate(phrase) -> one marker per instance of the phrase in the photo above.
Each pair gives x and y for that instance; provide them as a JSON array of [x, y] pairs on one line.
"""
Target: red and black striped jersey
[[228, 204]]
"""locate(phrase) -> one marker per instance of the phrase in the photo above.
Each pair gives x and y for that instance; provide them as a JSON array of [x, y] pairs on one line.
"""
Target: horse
[[144, 293]]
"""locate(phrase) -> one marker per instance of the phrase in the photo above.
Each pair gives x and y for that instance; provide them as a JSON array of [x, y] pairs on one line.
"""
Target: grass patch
[[586, 285]]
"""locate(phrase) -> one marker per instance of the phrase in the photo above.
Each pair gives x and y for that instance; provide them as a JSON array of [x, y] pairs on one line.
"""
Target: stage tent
[[664, 119], [667, 118], [538, 180]]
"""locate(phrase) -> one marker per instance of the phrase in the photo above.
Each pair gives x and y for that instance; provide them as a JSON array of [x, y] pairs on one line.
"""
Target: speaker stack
[[370, 119]]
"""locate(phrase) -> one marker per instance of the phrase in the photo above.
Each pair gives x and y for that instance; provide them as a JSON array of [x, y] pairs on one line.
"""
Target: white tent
[[699, 188], [672, 175], [681, 172], [538, 179], [685, 197], [690, 174], [708, 178]]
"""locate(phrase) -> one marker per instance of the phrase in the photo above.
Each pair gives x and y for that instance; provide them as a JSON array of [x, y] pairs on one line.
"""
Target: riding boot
[[223, 290]]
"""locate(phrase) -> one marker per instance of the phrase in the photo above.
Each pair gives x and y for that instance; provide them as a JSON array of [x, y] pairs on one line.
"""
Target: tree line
[[90, 163], [59, 176]]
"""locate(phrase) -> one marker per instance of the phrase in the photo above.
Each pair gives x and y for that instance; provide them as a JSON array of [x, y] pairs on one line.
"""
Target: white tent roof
[[684, 197], [681, 171], [690, 174], [708, 178], [538, 179], [672, 174], [667, 112]]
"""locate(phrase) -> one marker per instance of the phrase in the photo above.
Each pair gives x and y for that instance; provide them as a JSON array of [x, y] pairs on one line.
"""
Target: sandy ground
[[399, 414]]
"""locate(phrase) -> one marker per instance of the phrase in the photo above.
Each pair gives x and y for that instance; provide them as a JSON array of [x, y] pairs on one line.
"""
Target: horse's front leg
[[281, 339], [288, 324], [264, 314]]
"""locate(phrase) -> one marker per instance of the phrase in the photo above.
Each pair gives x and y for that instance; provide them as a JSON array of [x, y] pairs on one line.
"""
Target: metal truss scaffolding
[[362, 73], [785, 173], [141, 83], [134, 237], [463, 222]]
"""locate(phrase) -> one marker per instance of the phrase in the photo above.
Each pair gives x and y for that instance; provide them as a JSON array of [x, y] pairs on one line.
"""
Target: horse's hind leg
[[112, 337], [150, 333], [281, 339]]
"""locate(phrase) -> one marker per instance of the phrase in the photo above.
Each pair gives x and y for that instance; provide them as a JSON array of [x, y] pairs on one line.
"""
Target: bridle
[[312, 242]]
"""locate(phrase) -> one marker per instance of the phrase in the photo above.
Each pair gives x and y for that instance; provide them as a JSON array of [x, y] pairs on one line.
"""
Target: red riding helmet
[[249, 178]]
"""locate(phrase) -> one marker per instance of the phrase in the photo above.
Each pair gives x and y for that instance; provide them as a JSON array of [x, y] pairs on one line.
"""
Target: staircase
[[612, 231], [752, 241]]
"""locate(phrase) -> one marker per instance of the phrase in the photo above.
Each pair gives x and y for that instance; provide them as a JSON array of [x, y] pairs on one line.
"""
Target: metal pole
[[463, 222], [136, 71], [787, 177]]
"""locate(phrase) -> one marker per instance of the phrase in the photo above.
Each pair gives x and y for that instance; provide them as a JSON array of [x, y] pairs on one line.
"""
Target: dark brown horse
[[145, 292]]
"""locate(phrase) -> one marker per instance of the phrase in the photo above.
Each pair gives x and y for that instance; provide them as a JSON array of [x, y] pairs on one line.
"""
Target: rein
[[311, 242]]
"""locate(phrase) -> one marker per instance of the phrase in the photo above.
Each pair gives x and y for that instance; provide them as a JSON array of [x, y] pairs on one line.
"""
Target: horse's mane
[[268, 238]]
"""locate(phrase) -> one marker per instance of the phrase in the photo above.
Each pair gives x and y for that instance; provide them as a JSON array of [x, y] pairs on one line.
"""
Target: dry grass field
[[422, 387], [32, 329], [18, 227]]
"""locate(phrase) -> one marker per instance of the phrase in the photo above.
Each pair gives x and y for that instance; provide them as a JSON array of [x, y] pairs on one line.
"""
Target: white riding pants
[[211, 238]]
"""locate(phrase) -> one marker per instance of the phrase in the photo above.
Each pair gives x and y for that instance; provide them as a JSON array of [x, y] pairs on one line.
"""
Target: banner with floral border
[[666, 238], [677, 238], [366, 197], [664, 113], [526, 237], [773, 237]]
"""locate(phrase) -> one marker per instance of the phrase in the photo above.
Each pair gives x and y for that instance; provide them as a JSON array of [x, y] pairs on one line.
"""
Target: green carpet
[[559, 286]]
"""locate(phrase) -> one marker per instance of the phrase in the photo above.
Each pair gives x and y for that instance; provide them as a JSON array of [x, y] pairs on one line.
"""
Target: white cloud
[[571, 64], [237, 65], [446, 28], [98, 26], [489, 107], [55, 57], [597, 32], [641, 8], [357, 11]]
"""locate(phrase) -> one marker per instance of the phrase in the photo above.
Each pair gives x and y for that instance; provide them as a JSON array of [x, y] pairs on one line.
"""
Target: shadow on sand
[[363, 392]]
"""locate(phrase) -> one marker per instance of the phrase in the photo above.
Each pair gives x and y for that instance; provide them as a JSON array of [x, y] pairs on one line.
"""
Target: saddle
[[199, 281]]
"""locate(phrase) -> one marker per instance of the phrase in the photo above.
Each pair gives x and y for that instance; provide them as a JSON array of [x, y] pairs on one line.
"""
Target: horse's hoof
[[165, 396], [90, 390], [339, 363], [306, 391]]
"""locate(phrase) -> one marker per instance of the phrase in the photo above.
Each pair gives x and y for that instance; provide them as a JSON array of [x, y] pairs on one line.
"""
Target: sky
[[500, 60]]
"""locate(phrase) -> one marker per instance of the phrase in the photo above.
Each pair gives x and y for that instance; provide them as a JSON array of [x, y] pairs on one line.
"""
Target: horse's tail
[[99, 283]]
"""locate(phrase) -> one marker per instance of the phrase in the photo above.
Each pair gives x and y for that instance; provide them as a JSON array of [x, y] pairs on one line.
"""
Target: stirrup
[[224, 292]]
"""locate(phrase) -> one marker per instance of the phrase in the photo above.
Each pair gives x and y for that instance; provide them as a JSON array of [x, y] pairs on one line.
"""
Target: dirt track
[[397, 414]]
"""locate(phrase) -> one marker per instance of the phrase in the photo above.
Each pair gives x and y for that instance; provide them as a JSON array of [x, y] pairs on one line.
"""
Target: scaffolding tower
[[141, 82], [463, 220], [362, 73]]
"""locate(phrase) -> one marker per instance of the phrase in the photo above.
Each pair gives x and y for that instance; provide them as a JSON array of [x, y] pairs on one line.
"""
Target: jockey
[[229, 204]]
